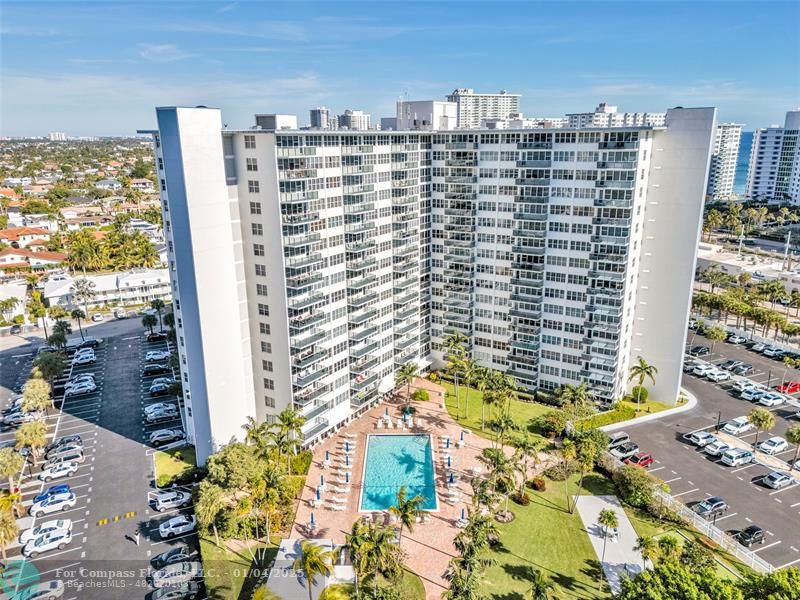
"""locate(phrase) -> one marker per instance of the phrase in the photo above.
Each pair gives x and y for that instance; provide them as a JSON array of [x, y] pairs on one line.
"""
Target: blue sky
[[99, 68]]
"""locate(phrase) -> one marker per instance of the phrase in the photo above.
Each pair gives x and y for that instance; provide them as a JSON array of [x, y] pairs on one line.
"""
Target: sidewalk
[[688, 405], [620, 557]]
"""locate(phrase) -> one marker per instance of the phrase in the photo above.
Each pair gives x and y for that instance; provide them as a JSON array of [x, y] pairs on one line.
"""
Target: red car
[[790, 387], [641, 459]]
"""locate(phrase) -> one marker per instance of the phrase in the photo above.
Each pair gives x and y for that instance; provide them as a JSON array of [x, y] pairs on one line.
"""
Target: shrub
[[492, 454], [620, 412], [562, 469], [301, 463], [538, 483], [19, 320], [434, 376], [636, 486], [552, 422], [521, 498], [550, 399], [635, 393], [420, 396]]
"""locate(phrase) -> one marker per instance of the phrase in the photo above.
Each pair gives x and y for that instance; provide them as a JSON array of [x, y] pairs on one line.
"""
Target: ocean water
[[393, 461], [742, 163]]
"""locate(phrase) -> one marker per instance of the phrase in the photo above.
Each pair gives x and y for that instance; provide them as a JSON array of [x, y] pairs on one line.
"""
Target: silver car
[[177, 573], [167, 499]]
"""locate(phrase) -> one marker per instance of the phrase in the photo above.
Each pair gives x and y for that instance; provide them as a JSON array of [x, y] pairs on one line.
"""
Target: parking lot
[[114, 486], [694, 475]]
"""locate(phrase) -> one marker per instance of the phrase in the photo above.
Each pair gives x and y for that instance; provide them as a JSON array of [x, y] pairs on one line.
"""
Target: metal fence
[[748, 333]]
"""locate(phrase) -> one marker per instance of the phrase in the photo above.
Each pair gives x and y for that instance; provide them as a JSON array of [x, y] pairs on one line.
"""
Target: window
[[258, 228], [264, 328], [269, 401], [266, 365], [252, 164], [258, 249], [253, 186], [255, 208], [269, 384], [250, 141], [163, 185], [261, 270], [266, 347], [261, 290], [263, 310]]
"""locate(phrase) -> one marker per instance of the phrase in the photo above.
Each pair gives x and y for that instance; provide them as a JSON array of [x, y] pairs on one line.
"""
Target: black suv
[[156, 336], [699, 351], [155, 369], [751, 535]]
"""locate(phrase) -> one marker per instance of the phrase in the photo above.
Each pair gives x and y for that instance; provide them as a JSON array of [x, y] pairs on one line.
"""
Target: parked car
[[161, 416], [700, 351], [158, 407], [90, 342], [79, 389], [750, 535], [773, 445], [76, 456], [790, 387], [166, 436], [47, 590], [703, 370], [716, 448], [53, 504], [44, 349], [718, 375], [156, 336], [711, 506], [177, 573], [758, 347], [81, 378], [46, 543], [701, 438], [177, 526], [52, 491], [730, 365], [692, 323], [737, 426], [97, 317], [737, 456], [66, 439], [754, 393], [45, 528], [65, 450], [744, 369], [617, 439], [176, 554], [159, 389], [155, 369], [18, 418], [625, 450], [778, 480], [167, 499], [84, 359], [771, 351], [58, 471], [771, 399], [156, 355], [182, 591], [640, 459], [689, 363], [119, 313], [741, 385], [736, 339]]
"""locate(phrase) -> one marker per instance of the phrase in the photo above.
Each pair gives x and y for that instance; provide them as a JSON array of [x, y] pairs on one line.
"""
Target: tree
[[636, 486], [314, 560], [482, 379], [713, 221], [208, 506], [32, 435], [158, 306], [793, 437], [85, 251], [762, 420], [716, 334], [83, 292], [528, 447], [51, 365], [11, 464], [7, 306], [404, 376], [608, 519], [696, 556], [379, 553], [9, 530], [587, 456], [541, 586], [406, 510], [37, 310], [640, 371], [647, 546], [78, 314], [149, 321], [289, 425], [577, 400], [470, 372], [670, 580], [454, 353], [36, 395], [355, 541], [669, 547], [715, 277]]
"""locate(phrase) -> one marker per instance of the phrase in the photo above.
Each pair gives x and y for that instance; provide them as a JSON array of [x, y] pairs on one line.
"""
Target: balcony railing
[[363, 349], [307, 340], [308, 358], [310, 395], [303, 381]]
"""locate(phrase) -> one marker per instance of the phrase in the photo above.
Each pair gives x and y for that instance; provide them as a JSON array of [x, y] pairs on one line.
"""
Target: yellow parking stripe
[[102, 522], [130, 515]]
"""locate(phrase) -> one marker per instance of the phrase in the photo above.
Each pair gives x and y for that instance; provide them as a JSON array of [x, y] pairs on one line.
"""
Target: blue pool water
[[398, 460]]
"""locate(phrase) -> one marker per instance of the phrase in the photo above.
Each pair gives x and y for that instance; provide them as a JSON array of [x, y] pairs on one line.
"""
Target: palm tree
[[714, 335], [83, 292], [503, 475], [355, 541], [379, 553], [9, 530], [528, 447], [668, 546], [454, 351], [208, 505], [36, 395], [7, 306], [455, 365], [608, 519], [713, 221], [648, 547], [406, 510], [640, 371], [469, 369], [149, 321], [404, 376], [78, 314], [541, 586], [314, 560], [587, 456], [577, 400], [289, 423], [50, 365], [32, 435], [793, 437], [10, 501], [482, 380], [158, 306], [569, 452], [762, 420], [11, 464]]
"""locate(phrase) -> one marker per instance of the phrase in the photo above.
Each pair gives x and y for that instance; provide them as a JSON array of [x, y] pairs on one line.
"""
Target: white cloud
[[162, 52]]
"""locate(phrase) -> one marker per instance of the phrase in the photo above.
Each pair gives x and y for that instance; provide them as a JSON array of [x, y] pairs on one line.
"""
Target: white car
[[49, 590], [753, 393], [78, 379], [716, 448], [778, 480], [53, 504], [773, 445], [770, 351], [736, 339], [157, 355], [718, 375], [159, 407], [737, 456], [703, 370], [740, 385], [45, 528], [84, 387], [177, 526], [737, 426], [57, 471], [167, 499], [701, 438], [771, 399], [166, 436], [18, 418], [84, 359], [178, 573], [51, 541], [759, 347]]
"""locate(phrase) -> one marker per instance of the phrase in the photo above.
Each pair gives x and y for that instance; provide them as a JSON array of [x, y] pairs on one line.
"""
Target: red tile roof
[[14, 233]]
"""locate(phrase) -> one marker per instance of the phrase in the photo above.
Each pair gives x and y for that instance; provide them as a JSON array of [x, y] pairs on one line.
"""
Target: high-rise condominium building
[[723, 161], [774, 172], [307, 266], [607, 116], [354, 120], [57, 136], [320, 118], [426, 115], [473, 107]]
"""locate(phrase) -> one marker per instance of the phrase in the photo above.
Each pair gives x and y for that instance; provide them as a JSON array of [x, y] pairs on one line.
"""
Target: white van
[[737, 456]]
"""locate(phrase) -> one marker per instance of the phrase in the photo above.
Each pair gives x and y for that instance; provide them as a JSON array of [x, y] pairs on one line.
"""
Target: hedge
[[621, 412]]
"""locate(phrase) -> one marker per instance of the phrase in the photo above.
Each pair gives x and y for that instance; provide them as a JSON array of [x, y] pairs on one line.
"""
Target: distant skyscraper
[[354, 119], [320, 117], [722, 173], [57, 136], [426, 115], [472, 107], [774, 172], [606, 115]]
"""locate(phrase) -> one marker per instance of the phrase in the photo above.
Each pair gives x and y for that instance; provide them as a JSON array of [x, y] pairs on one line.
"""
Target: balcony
[[460, 179], [320, 425], [626, 185], [307, 301], [406, 327], [302, 322], [359, 246], [305, 380], [527, 216], [362, 316], [405, 313], [404, 283], [461, 162], [365, 364], [362, 300], [606, 164], [525, 345], [406, 343], [361, 264], [458, 212], [308, 358], [618, 145], [406, 251], [525, 313], [612, 258], [361, 282], [532, 181], [363, 349], [298, 241], [355, 209], [534, 164], [316, 411], [410, 297], [612, 275], [299, 343], [310, 395], [300, 219], [298, 282], [534, 250], [405, 266], [534, 145], [303, 261], [610, 239], [404, 200], [359, 227]]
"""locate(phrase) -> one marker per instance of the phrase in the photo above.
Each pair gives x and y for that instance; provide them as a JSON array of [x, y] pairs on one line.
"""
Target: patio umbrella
[[327, 455], [447, 443], [347, 477], [405, 416], [347, 446], [346, 460], [452, 478], [462, 513], [321, 481], [312, 521], [462, 435], [319, 495], [448, 461], [387, 411]]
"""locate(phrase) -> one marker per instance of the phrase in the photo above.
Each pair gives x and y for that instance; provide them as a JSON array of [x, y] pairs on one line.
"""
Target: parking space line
[[789, 564], [767, 546], [51, 555], [788, 487], [727, 516], [173, 539], [674, 479], [686, 492]]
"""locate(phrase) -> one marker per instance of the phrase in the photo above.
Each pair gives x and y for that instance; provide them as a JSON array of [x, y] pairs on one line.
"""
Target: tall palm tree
[[379, 553], [158, 306], [10, 501], [528, 447], [608, 519], [454, 351], [289, 423], [11, 464], [314, 560], [51, 365], [541, 586], [32, 435], [470, 372], [404, 376], [762, 420], [587, 456], [355, 541], [36, 395], [648, 547], [406, 510], [9, 530], [577, 400], [455, 365], [640, 371], [569, 452], [78, 314], [482, 381], [793, 437], [83, 292], [208, 506]]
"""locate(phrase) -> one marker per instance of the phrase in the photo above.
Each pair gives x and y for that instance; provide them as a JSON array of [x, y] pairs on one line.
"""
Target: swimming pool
[[393, 461]]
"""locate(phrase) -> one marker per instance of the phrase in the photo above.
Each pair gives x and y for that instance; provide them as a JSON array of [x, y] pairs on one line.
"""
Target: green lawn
[[408, 584], [545, 536], [522, 412], [227, 573], [646, 408], [173, 462]]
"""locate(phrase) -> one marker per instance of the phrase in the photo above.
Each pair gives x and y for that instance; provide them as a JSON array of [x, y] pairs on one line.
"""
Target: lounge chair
[[338, 500], [379, 424], [333, 506], [341, 490], [349, 435]]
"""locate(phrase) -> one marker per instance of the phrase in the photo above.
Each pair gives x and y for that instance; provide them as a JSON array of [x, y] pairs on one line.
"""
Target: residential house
[[143, 185], [20, 237], [12, 259], [86, 221], [14, 212], [108, 184], [14, 289]]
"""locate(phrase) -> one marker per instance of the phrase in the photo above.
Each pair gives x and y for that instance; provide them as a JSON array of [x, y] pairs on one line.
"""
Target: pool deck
[[429, 547]]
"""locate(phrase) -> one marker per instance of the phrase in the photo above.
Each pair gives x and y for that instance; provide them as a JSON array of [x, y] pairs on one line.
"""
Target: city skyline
[[244, 59]]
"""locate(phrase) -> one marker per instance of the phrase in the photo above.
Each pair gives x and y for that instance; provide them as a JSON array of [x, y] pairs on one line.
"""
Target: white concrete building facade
[[357, 252], [426, 115], [606, 115], [722, 173], [472, 107], [774, 172], [354, 120]]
